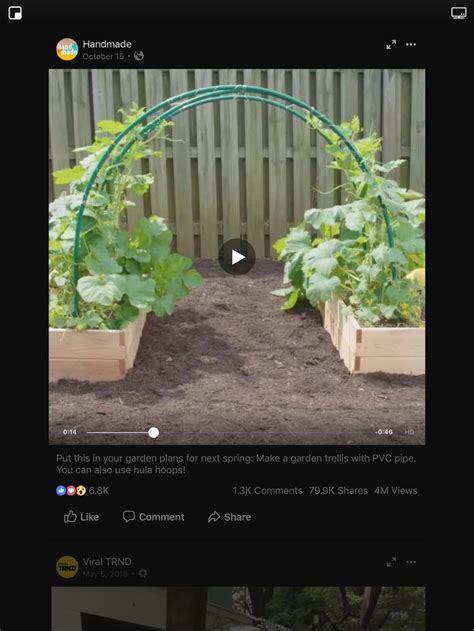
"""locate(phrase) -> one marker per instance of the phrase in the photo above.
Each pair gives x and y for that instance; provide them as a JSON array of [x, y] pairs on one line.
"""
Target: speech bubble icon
[[128, 515]]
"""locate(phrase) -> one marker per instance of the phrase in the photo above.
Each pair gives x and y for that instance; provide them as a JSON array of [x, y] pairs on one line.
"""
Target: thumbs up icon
[[70, 518]]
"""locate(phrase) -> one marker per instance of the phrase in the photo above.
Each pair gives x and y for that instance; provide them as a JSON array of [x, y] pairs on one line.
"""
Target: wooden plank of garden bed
[[70, 344], [277, 163], [129, 93], [301, 150], [87, 369], [344, 352], [207, 171], [158, 166], [133, 336], [230, 161], [347, 335], [396, 342], [332, 321], [94, 355], [254, 167], [182, 170], [364, 349], [394, 365]]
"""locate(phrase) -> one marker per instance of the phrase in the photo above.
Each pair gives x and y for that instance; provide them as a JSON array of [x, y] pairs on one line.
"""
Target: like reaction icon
[[70, 518]]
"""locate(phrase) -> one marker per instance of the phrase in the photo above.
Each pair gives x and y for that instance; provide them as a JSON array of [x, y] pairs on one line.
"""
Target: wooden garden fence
[[241, 169]]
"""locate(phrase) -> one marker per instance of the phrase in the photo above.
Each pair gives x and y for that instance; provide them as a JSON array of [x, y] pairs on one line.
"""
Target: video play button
[[236, 256]]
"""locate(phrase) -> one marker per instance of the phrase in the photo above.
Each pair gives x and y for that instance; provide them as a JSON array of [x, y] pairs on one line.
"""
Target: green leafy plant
[[388, 609], [343, 250], [120, 274]]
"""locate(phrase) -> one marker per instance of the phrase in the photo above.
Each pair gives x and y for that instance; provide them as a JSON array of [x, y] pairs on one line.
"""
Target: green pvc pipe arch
[[201, 96]]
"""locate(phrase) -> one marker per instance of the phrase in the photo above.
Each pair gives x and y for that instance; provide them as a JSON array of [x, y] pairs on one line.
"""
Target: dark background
[[208, 487], [289, 35], [271, 560]]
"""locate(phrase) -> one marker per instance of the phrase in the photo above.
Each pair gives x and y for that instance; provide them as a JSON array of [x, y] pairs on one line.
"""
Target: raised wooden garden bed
[[372, 349], [94, 355]]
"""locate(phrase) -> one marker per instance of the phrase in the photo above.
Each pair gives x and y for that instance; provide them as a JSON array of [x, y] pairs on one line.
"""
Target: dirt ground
[[229, 367]]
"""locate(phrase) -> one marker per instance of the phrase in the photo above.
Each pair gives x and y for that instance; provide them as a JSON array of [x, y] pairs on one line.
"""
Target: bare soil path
[[229, 367]]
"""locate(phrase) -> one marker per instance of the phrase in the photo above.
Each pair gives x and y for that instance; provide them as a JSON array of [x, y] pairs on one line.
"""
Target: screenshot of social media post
[[209, 492], [328, 590], [238, 434], [236, 257]]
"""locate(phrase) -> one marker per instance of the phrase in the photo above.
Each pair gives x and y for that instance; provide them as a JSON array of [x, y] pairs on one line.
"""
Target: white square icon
[[15, 13]]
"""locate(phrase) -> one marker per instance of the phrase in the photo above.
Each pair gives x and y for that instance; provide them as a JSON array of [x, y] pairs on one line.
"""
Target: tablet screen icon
[[459, 13]]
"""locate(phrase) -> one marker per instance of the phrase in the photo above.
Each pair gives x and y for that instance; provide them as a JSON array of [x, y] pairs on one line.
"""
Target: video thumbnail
[[238, 608], [237, 256]]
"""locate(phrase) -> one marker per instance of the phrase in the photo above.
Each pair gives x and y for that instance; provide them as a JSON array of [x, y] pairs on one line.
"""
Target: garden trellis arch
[[201, 96]]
